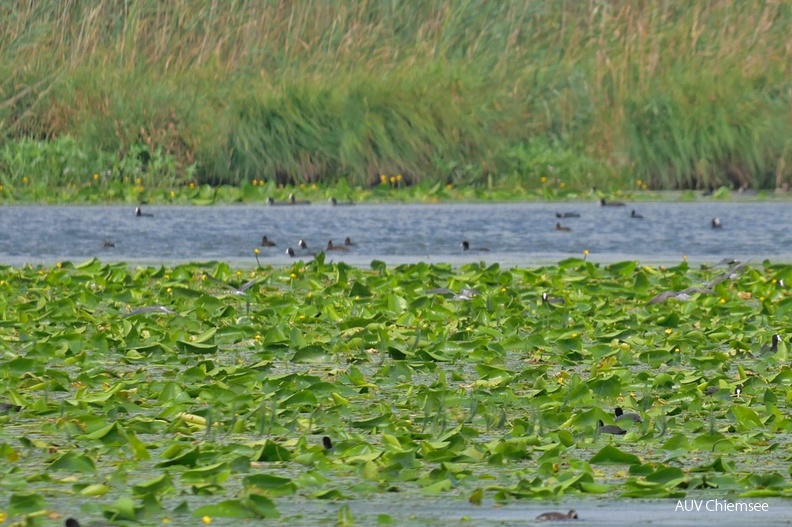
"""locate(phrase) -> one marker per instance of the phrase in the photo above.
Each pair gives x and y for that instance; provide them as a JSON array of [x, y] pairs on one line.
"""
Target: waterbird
[[152, 309], [139, 212], [335, 203], [8, 407], [304, 247], [605, 203], [466, 247], [465, 294], [716, 223], [564, 228], [738, 390], [621, 416], [557, 516], [348, 241], [266, 242], [71, 522], [294, 201], [331, 247], [290, 252], [547, 299], [563, 215], [238, 291], [327, 443], [773, 344], [272, 203], [634, 214], [107, 244], [712, 390], [602, 428], [707, 289]]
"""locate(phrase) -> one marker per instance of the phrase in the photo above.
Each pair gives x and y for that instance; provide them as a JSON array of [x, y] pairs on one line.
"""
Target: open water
[[516, 234]]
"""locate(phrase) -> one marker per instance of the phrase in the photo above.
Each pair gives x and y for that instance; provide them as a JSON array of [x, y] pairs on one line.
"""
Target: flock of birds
[[303, 250], [715, 223]]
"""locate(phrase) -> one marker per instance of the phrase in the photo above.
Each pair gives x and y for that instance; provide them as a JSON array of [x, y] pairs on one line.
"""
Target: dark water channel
[[515, 233]]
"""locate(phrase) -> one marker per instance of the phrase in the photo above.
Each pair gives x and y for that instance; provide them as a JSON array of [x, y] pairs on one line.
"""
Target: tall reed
[[674, 93]]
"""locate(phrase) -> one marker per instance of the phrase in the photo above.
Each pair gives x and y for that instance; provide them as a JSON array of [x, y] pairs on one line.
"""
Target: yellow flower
[[722, 300], [172, 194], [207, 520], [313, 186], [398, 177], [309, 294], [96, 177], [543, 179], [192, 185], [138, 181], [256, 251], [254, 182], [25, 180], [562, 184], [1, 188], [169, 290], [3, 517], [293, 276], [59, 265], [684, 257], [669, 331], [258, 337], [449, 186], [383, 179], [639, 182], [585, 252], [393, 179]]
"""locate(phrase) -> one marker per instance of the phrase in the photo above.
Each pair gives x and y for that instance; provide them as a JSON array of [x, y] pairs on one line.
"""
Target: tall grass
[[677, 94]]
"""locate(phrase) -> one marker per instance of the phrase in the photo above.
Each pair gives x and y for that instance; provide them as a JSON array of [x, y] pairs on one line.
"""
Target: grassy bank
[[474, 93]]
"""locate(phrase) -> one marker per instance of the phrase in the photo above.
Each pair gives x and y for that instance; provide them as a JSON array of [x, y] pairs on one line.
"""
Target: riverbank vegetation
[[161, 394], [474, 94]]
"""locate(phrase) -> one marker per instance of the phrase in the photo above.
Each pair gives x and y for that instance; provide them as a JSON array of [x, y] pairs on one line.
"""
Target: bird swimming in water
[[331, 247], [266, 242], [563, 228], [602, 428], [557, 516], [716, 223], [139, 212], [621, 416], [466, 247], [604, 203], [634, 214]]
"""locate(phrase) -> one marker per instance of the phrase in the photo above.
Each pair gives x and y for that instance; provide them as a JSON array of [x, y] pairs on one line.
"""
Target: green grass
[[215, 404], [491, 95]]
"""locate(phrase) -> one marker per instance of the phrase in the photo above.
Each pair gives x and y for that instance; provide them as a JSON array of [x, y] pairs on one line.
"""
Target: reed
[[675, 94]]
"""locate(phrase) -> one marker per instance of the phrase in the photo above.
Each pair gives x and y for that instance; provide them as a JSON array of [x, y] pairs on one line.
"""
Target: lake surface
[[515, 233]]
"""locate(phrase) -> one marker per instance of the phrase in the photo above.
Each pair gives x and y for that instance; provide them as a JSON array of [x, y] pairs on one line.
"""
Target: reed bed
[[667, 94]]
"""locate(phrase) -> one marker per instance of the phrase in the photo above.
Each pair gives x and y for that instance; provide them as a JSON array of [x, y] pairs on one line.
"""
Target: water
[[515, 233]]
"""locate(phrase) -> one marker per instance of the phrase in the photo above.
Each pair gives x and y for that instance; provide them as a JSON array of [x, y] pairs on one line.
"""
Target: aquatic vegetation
[[200, 392]]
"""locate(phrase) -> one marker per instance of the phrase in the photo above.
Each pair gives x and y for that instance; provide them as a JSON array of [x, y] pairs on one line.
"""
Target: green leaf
[[73, 462], [610, 455]]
